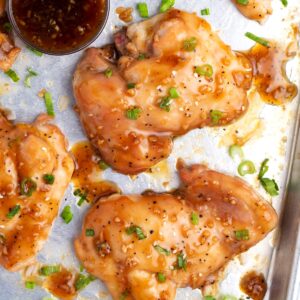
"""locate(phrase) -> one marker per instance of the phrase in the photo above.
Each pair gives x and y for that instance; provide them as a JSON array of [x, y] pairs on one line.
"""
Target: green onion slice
[[190, 44], [236, 151], [36, 52], [162, 250], [173, 93], [28, 186], [12, 75], [205, 70], [137, 230], [108, 73], [194, 218], [209, 298], [264, 168], [166, 5], [165, 103], [83, 281], [257, 39], [49, 178], [215, 116], [242, 235], [131, 86], [133, 113], [49, 270], [124, 295], [181, 262], [205, 12], [228, 297], [49, 104], [89, 232], [243, 2], [270, 186], [30, 74], [143, 9], [7, 27], [284, 2], [13, 211], [67, 214], [103, 165], [30, 285], [246, 167], [161, 277]]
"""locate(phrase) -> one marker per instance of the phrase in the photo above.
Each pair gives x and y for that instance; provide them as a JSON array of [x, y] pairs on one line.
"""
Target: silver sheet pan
[[275, 140]]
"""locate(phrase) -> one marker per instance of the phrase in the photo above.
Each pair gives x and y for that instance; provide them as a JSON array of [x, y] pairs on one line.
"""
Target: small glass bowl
[[58, 53]]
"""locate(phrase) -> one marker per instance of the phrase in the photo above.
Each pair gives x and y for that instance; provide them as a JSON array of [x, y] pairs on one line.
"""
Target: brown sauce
[[269, 73], [254, 285], [58, 25], [87, 175], [62, 284]]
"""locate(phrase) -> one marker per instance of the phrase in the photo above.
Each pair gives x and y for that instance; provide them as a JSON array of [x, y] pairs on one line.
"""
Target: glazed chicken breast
[[35, 170], [257, 10], [174, 75], [144, 247], [8, 52]]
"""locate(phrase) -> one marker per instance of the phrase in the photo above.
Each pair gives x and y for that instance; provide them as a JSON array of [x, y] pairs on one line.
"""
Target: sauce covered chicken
[[144, 247], [257, 10], [174, 75], [35, 170]]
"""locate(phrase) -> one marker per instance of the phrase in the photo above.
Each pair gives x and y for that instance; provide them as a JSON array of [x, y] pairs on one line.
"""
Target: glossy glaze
[[130, 265], [133, 146], [30, 152], [254, 285]]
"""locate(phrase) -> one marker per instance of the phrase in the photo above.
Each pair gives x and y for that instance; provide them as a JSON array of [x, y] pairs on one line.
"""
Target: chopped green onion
[[215, 116], [190, 44], [205, 70], [108, 73], [30, 74], [194, 218], [161, 277], [166, 5], [28, 186], [67, 214], [89, 232], [49, 104], [257, 39], [103, 165], [49, 178], [124, 295], [36, 52], [243, 2], [270, 186], [82, 196], [143, 9], [181, 262], [205, 12], [137, 230], [142, 56], [173, 93], [49, 270], [246, 167], [165, 103], [263, 169], [7, 27], [30, 285], [242, 235], [133, 113], [209, 298], [236, 151], [162, 250], [82, 281], [284, 2], [131, 85], [12, 75], [13, 211]]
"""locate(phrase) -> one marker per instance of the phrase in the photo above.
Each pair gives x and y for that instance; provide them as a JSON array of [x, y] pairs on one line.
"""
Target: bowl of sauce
[[58, 27]]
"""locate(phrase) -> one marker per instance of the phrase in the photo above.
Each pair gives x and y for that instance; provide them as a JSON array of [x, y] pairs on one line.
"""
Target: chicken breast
[[257, 10], [174, 75], [144, 247], [35, 170], [8, 52]]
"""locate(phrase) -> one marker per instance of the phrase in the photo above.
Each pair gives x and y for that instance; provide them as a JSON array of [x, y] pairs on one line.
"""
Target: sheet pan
[[275, 140]]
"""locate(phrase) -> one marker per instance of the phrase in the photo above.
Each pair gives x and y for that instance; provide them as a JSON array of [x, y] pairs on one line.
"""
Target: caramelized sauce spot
[[61, 284], [254, 285], [87, 176], [269, 73]]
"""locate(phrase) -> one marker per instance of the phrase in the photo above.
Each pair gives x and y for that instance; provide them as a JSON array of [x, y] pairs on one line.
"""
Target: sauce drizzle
[[254, 285]]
